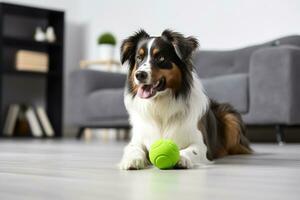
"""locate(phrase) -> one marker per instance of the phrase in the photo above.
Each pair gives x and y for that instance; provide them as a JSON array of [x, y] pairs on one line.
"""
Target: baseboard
[[267, 134]]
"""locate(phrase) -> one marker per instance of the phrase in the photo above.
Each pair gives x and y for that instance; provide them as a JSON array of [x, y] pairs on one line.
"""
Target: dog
[[165, 99]]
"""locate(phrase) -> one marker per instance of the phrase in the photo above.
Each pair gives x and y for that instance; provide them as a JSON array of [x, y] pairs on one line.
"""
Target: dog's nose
[[141, 75]]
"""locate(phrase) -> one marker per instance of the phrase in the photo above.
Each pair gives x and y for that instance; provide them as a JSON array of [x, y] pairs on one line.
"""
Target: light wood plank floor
[[80, 170]]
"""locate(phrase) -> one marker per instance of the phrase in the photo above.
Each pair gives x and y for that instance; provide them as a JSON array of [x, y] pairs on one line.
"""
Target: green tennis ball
[[164, 154]]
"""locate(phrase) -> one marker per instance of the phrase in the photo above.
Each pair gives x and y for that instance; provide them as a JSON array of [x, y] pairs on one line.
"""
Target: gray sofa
[[262, 82]]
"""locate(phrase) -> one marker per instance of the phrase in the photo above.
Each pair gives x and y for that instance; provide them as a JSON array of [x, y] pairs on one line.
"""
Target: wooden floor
[[80, 170]]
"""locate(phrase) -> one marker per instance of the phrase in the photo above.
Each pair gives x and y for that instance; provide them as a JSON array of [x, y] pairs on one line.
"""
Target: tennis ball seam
[[170, 163], [161, 155]]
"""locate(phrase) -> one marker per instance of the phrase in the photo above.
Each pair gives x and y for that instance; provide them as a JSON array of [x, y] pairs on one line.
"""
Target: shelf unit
[[10, 41], [17, 26]]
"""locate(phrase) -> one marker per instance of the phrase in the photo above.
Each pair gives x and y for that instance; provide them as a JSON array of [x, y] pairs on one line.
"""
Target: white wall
[[217, 24]]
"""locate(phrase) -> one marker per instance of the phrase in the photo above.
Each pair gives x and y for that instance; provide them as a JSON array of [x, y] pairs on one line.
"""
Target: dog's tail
[[232, 129]]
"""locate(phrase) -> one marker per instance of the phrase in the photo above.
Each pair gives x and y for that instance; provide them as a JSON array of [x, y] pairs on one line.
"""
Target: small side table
[[109, 64]]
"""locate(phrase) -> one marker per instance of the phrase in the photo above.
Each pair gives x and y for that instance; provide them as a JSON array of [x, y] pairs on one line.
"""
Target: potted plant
[[106, 43]]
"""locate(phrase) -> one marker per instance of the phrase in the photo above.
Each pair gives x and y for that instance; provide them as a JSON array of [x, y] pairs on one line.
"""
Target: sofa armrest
[[275, 85], [84, 82]]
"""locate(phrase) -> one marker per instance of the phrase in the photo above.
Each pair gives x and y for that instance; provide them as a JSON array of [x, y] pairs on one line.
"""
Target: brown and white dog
[[165, 99]]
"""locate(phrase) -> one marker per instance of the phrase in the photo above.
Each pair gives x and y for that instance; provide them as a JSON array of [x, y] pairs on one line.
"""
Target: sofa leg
[[280, 134], [127, 134], [80, 133]]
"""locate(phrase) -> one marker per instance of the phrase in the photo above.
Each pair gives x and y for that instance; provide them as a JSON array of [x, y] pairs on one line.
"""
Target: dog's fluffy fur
[[165, 99]]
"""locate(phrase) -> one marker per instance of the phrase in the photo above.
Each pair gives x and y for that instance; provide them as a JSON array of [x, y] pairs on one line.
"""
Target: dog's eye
[[139, 58], [161, 59]]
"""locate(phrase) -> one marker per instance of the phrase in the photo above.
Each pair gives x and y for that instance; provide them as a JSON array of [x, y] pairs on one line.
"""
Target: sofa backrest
[[216, 63]]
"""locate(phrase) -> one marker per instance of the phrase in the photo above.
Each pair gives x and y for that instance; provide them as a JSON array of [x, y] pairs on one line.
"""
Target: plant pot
[[106, 51]]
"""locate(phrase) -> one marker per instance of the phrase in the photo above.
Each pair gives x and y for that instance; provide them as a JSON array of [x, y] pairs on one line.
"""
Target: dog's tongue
[[145, 91]]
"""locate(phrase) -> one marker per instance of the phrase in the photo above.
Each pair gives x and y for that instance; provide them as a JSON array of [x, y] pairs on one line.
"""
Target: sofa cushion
[[231, 89], [106, 103]]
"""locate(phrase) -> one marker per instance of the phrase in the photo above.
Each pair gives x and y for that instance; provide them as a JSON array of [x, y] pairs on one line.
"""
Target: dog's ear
[[129, 45], [184, 46]]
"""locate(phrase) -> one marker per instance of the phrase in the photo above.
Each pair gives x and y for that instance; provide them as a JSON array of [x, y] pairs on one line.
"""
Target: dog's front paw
[[133, 163], [184, 163]]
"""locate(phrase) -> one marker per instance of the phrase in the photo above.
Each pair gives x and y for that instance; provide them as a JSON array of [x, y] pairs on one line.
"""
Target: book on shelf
[[31, 61], [22, 127], [11, 119], [45, 122], [23, 120], [35, 127]]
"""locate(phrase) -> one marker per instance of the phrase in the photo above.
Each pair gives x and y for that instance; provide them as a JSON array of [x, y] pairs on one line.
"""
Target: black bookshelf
[[17, 26]]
